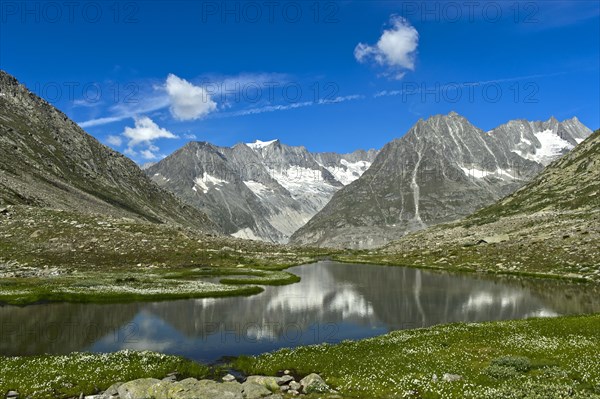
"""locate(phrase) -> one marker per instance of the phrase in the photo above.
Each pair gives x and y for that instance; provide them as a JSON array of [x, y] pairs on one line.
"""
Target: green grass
[[69, 375], [536, 358], [94, 258]]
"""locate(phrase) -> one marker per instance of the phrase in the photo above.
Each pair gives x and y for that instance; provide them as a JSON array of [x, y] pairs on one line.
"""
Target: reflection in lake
[[332, 302]]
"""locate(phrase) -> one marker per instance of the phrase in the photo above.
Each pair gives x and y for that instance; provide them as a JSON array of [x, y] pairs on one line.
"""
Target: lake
[[333, 302]]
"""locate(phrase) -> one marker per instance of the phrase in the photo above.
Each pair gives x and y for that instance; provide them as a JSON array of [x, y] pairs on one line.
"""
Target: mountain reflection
[[332, 302]]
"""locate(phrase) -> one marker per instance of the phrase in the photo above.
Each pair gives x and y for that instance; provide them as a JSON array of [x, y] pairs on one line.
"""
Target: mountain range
[[443, 169], [261, 190]]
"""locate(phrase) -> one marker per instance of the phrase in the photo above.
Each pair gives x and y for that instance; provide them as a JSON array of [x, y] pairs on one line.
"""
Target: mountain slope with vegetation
[[47, 160]]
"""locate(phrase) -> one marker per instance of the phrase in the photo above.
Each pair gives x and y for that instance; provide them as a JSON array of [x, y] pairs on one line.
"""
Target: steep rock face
[[443, 169], [261, 190], [47, 160]]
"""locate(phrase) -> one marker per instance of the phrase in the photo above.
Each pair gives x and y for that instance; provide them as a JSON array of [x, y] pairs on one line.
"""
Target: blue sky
[[147, 76]]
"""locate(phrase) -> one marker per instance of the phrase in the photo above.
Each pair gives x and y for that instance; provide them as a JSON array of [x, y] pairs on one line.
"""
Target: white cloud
[[114, 141], [149, 155], [190, 136], [143, 135], [395, 50], [188, 101], [145, 131]]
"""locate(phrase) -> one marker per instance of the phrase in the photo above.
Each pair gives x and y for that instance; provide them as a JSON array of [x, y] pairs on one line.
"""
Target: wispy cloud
[[452, 85], [284, 107], [120, 112]]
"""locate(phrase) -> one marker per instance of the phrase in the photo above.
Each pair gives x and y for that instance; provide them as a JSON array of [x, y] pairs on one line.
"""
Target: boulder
[[313, 383], [284, 380], [271, 383], [112, 392], [160, 390], [206, 389], [137, 389], [252, 390]]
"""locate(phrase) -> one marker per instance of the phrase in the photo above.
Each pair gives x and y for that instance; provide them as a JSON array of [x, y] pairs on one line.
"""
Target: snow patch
[[260, 144], [552, 147], [257, 188], [480, 174], [579, 141], [349, 171], [297, 179], [206, 182]]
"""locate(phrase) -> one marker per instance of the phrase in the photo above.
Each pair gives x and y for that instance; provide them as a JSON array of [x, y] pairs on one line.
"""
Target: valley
[[471, 232]]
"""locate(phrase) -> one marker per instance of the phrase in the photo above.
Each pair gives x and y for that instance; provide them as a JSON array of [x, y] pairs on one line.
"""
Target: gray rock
[[160, 390], [496, 239], [170, 378], [112, 391], [313, 383], [271, 383], [137, 389], [295, 386], [285, 379], [11, 394], [228, 378], [451, 377], [205, 389], [252, 390]]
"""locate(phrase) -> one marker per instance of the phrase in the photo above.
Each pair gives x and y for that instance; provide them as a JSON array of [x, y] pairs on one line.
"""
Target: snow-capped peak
[[260, 144]]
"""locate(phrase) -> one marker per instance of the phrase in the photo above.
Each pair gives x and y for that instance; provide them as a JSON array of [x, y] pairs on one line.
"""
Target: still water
[[333, 302]]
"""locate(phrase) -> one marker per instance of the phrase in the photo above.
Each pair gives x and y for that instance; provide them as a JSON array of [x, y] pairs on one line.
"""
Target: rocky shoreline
[[252, 387]]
